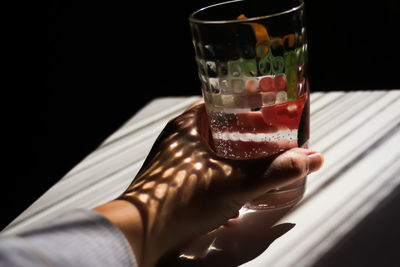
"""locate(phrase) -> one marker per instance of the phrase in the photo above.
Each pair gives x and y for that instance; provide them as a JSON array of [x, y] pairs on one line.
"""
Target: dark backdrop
[[93, 64]]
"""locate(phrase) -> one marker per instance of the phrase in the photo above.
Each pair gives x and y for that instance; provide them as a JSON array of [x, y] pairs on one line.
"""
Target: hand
[[184, 189]]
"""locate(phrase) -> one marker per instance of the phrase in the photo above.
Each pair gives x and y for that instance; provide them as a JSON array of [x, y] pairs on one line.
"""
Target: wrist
[[127, 218]]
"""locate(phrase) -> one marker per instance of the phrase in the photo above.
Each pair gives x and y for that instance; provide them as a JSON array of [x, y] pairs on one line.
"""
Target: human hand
[[184, 189]]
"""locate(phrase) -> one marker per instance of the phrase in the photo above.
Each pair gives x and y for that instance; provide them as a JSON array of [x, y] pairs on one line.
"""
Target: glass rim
[[202, 21]]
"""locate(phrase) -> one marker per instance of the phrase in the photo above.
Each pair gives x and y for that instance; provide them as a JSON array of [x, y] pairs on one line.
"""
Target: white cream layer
[[257, 137]]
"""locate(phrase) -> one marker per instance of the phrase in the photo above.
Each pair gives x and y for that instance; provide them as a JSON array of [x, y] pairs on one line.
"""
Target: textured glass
[[252, 64]]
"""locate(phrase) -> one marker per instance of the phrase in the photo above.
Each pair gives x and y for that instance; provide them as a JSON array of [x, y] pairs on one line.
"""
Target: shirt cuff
[[77, 238]]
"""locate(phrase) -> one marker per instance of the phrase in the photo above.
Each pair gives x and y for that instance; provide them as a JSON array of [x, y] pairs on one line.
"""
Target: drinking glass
[[252, 64]]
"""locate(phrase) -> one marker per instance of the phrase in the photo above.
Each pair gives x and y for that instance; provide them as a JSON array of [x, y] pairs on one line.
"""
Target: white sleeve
[[77, 238]]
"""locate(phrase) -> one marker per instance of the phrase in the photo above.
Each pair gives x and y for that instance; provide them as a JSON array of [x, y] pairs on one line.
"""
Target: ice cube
[[237, 85], [252, 86], [249, 67], [225, 86], [216, 100], [234, 68], [281, 97], [267, 83], [254, 101], [241, 101], [227, 100], [280, 82], [268, 98]]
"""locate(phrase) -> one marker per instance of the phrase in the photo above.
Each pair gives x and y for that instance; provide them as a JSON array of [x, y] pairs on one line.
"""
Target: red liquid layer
[[251, 149], [274, 121], [284, 126]]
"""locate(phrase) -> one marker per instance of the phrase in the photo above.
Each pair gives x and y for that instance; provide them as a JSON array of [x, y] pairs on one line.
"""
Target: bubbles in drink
[[255, 117]]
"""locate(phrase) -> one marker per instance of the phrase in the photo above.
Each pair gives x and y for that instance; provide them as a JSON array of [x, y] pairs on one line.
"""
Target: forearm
[[127, 218]]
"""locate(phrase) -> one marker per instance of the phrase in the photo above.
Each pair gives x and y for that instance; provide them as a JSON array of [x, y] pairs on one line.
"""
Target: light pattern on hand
[[180, 173]]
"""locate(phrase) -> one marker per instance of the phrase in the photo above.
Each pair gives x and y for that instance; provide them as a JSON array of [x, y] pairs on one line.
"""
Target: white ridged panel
[[358, 132]]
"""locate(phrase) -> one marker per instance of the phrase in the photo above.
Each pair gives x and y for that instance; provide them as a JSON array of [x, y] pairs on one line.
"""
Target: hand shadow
[[238, 241]]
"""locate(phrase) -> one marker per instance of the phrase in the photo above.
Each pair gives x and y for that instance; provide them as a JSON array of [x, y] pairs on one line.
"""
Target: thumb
[[285, 169], [291, 165]]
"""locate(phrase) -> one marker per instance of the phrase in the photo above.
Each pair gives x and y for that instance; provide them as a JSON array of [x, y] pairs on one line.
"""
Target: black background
[[80, 69]]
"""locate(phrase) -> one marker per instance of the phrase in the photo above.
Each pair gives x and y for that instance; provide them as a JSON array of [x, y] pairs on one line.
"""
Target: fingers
[[293, 164], [316, 160]]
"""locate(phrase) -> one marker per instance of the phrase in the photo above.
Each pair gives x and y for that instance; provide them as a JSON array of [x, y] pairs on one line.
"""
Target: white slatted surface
[[358, 133], [105, 173]]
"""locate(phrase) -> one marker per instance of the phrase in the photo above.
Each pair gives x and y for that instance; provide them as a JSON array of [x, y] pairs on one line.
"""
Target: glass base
[[279, 198]]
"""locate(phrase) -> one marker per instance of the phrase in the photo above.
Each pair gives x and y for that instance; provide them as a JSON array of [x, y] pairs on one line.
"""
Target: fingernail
[[310, 152], [316, 161]]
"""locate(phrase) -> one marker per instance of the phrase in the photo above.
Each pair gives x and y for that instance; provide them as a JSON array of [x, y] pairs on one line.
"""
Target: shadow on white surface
[[238, 241]]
